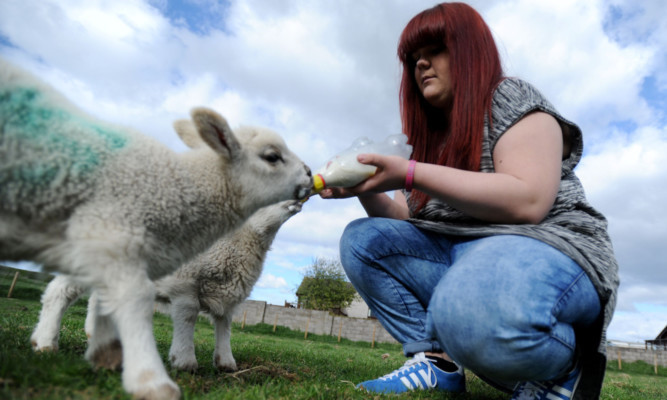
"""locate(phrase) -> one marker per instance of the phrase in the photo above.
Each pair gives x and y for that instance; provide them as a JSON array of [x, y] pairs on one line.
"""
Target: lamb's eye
[[272, 157]]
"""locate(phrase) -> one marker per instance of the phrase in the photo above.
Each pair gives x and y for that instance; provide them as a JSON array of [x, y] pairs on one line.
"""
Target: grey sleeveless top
[[572, 226]]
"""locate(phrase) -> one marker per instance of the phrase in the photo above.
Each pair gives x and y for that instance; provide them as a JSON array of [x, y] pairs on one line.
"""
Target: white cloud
[[561, 46], [271, 281], [640, 156], [627, 180], [322, 221], [637, 327], [641, 21]]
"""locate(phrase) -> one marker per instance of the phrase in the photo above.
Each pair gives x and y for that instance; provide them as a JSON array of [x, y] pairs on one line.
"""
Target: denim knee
[[484, 323], [365, 240], [476, 334], [352, 244], [461, 330]]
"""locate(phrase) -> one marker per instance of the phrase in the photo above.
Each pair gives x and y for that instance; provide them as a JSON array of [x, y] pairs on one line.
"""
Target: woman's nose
[[422, 62]]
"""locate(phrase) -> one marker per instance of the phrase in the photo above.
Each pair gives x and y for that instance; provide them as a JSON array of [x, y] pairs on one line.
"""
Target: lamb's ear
[[187, 131], [215, 132]]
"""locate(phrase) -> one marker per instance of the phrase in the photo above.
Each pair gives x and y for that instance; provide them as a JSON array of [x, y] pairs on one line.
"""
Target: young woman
[[488, 256]]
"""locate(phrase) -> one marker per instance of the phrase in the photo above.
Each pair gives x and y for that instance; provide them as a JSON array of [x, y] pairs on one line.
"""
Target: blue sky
[[199, 17], [323, 73]]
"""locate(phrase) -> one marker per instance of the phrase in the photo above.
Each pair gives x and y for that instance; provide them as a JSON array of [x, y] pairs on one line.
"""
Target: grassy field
[[272, 365]]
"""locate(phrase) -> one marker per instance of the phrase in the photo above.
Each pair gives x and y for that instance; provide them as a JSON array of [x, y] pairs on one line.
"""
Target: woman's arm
[[375, 204], [383, 206], [527, 161]]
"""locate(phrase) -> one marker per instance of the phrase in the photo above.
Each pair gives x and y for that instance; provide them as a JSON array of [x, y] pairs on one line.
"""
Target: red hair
[[475, 69]]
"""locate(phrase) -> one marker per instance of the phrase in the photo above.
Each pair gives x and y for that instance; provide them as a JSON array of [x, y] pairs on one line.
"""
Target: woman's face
[[432, 75]]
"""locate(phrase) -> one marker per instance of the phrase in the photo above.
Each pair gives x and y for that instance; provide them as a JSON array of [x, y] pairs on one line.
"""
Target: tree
[[325, 286]]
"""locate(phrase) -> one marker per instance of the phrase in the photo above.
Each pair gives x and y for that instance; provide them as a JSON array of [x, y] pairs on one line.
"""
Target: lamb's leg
[[184, 311], [128, 299], [59, 295], [104, 347], [222, 357], [91, 314]]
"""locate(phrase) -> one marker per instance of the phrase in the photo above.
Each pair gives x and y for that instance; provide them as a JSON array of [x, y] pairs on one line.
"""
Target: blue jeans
[[506, 307]]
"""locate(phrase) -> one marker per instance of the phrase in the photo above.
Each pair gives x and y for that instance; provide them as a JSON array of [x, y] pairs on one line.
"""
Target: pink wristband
[[410, 176]]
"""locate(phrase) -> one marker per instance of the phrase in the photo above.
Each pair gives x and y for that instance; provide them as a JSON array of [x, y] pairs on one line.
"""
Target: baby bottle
[[343, 169]]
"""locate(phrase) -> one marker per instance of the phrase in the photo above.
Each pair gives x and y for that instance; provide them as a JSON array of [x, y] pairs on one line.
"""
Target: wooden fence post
[[618, 354], [373, 342], [275, 322], [11, 288], [243, 323], [305, 336], [655, 363], [340, 329]]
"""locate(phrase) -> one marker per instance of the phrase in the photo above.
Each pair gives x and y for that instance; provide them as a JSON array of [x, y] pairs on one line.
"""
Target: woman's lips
[[427, 78]]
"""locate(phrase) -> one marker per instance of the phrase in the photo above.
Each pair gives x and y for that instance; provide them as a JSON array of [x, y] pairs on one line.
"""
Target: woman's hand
[[336, 193], [390, 174]]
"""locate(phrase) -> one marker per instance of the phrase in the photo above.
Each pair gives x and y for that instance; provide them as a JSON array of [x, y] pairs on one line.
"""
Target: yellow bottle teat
[[318, 184]]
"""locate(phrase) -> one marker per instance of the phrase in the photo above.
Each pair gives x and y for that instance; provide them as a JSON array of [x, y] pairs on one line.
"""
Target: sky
[[324, 73]]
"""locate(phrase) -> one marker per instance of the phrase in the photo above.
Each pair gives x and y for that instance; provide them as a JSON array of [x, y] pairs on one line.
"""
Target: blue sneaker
[[558, 389], [418, 373]]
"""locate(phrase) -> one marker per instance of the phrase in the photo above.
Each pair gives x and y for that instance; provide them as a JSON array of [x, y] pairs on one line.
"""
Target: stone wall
[[358, 329], [358, 308], [316, 322], [253, 311], [632, 354]]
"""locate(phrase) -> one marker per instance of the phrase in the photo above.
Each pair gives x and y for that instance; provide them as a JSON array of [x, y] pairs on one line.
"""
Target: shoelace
[[417, 359], [529, 392]]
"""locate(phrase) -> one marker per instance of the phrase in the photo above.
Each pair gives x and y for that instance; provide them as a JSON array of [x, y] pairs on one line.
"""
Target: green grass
[[272, 365]]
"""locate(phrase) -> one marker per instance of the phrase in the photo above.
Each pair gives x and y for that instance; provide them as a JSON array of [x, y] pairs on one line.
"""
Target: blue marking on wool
[[62, 143]]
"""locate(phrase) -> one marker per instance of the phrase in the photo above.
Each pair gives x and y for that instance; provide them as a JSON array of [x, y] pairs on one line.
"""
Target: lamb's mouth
[[302, 192]]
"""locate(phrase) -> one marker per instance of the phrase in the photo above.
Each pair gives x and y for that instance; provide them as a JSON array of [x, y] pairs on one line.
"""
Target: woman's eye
[[434, 51], [426, 52]]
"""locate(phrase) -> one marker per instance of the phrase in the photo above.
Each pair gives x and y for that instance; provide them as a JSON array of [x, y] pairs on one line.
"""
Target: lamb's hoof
[[40, 345], [43, 349], [163, 392], [186, 367], [108, 356], [225, 366]]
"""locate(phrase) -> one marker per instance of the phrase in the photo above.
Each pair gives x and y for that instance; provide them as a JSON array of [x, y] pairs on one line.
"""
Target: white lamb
[[214, 282], [218, 280], [115, 209]]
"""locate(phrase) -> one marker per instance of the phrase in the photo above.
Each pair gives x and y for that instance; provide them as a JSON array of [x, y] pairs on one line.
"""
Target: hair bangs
[[424, 29]]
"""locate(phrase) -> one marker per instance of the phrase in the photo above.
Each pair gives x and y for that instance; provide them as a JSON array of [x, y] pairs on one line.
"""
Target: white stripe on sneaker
[[416, 380], [551, 396], [562, 390], [427, 377], [407, 383]]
